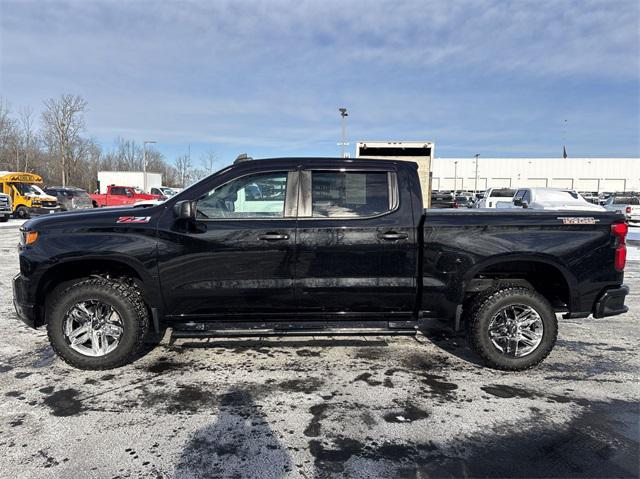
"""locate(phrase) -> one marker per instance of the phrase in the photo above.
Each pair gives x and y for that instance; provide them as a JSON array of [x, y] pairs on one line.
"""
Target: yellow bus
[[27, 197]]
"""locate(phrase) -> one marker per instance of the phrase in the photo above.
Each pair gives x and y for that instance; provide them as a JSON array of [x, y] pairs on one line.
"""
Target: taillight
[[619, 231], [628, 210]]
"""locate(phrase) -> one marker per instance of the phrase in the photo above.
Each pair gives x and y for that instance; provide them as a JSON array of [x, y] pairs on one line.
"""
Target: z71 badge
[[134, 219], [578, 220]]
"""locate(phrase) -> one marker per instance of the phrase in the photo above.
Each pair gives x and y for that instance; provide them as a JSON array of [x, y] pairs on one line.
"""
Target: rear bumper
[[25, 310], [611, 302]]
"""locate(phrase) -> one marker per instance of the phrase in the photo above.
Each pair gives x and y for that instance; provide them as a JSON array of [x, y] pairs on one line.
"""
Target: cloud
[[273, 73]]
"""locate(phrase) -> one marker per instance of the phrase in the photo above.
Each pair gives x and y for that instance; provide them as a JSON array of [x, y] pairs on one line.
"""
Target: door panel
[[349, 263], [239, 256]]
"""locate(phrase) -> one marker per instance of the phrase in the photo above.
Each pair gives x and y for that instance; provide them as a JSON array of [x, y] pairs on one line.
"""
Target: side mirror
[[525, 204], [517, 202], [129, 194], [184, 210]]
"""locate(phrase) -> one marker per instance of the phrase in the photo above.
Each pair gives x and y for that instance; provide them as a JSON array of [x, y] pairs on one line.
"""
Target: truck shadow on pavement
[[451, 342], [239, 443]]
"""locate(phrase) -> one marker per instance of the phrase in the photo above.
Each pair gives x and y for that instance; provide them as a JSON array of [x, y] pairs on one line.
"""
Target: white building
[[581, 174]]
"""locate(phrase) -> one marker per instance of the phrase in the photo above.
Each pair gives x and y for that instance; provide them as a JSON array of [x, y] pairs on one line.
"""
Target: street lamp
[[455, 176], [343, 143], [476, 185], [144, 163]]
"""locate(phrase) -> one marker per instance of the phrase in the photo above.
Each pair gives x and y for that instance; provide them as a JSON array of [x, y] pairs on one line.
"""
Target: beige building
[[581, 174]]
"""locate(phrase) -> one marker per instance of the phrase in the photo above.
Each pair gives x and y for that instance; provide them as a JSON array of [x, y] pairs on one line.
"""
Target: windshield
[[503, 193], [27, 189], [559, 196], [168, 191]]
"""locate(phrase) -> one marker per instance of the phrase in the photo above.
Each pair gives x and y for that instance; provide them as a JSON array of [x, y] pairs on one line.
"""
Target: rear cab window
[[350, 194]]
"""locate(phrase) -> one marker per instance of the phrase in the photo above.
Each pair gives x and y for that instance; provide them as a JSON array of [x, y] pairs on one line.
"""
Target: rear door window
[[349, 194]]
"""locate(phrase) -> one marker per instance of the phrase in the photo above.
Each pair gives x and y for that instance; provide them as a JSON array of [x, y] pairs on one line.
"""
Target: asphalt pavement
[[321, 407]]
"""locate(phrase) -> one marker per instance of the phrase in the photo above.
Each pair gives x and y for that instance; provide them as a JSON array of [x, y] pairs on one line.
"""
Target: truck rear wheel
[[512, 328], [97, 323]]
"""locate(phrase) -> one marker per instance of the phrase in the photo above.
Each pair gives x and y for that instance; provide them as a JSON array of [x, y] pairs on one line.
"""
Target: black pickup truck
[[313, 246]]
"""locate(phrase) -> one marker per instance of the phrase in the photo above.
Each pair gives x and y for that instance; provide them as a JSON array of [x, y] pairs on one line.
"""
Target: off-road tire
[[485, 306], [125, 298], [21, 213]]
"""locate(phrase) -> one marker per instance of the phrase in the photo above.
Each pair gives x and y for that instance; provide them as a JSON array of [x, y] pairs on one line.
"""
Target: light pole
[[144, 163], [343, 143], [455, 176], [476, 184]]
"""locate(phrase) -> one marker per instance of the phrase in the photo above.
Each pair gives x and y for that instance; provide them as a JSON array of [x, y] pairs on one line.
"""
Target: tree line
[[55, 145]]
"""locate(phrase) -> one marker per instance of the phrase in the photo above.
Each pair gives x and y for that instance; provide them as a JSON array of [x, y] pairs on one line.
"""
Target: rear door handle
[[273, 237], [392, 236]]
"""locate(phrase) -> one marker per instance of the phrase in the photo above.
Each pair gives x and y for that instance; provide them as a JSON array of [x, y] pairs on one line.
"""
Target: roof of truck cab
[[326, 161]]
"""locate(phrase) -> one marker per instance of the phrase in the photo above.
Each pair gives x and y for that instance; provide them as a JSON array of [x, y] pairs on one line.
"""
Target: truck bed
[[460, 246]]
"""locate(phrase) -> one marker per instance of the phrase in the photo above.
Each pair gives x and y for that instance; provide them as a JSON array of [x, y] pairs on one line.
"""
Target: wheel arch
[[541, 272], [67, 271]]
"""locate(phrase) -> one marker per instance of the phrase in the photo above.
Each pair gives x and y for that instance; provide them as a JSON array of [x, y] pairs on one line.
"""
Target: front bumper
[[25, 310], [6, 213], [611, 302], [42, 210]]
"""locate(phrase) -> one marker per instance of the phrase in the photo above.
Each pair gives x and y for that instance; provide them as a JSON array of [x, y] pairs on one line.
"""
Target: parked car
[[163, 191], [70, 198], [443, 199], [5, 207], [552, 199], [122, 196], [493, 195], [629, 205], [329, 246], [464, 201]]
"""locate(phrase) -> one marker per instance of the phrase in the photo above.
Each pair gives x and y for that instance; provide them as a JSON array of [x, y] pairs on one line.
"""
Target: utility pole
[[476, 185], [455, 176], [343, 143], [144, 163]]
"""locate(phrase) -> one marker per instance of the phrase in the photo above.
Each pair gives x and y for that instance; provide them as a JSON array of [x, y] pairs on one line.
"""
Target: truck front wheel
[[97, 323], [22, 213], [513, 328]]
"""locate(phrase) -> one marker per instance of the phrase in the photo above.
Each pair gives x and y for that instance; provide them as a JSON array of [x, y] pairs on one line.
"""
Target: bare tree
[[183, 165], [63, 120], [7, 131], [208, 161], [27, 133]]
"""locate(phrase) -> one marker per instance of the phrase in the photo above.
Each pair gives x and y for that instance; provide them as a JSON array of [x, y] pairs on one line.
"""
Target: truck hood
[[33, 196], [91, 218]]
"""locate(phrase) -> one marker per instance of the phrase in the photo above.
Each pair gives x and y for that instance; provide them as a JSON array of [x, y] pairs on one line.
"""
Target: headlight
[[28, 237]]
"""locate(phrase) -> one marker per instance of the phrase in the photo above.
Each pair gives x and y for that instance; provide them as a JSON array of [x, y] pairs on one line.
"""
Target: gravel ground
[[321, 407]]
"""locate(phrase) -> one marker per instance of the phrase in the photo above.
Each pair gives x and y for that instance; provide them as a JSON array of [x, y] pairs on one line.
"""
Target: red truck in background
[[121, 196]]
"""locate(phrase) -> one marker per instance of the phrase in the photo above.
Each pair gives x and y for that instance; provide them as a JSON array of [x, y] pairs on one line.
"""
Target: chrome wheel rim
[[93, 328], [516, 330]]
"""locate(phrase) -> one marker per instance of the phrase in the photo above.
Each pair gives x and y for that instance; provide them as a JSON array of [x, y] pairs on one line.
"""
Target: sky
[[496, 78]]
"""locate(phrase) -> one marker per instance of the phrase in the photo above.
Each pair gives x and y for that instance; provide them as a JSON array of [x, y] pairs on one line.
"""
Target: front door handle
[[273, 237], [392, 236]]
